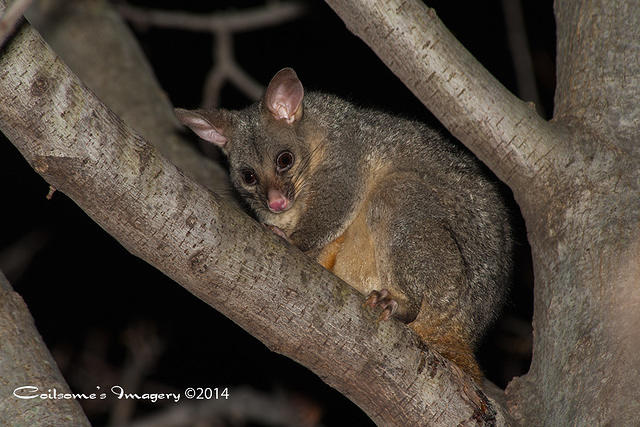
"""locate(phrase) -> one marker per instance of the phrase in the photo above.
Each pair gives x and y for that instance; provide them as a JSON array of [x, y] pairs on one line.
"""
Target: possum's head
[[269, 151]]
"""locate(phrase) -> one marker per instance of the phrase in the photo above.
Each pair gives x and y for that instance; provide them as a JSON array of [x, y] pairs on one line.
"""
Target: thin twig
[[219, 73], [145, 347], [213, 86], [51, 192], [245, 82], [11, 17], [236, 21], [226, 68], [222, 25]]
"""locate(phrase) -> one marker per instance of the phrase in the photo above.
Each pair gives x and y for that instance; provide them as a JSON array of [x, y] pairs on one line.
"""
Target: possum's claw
[[382, 299], [278, 231]]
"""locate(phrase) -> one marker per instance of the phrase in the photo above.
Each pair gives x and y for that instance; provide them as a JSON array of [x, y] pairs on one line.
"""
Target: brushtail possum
[[393, 207]]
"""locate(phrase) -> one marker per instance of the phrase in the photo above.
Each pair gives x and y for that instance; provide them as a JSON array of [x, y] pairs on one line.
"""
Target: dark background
[[93, 302]]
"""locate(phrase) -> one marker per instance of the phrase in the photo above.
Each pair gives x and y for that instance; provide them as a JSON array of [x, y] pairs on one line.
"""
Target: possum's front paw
[[382, 299], [278, 231]]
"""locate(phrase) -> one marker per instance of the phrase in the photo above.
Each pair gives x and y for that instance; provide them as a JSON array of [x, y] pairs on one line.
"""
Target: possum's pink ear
[[283, 97], [207, 125]]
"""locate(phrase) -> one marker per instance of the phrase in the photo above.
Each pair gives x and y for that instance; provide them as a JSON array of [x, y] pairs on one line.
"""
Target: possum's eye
[[249, 177], [284, 161]]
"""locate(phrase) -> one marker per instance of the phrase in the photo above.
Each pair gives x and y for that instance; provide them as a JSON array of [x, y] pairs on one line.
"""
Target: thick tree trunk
[[585, 228], [576, 179]]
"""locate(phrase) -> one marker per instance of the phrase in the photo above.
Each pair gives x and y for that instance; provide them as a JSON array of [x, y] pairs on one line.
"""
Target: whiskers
[[300, 178], [224, 191]]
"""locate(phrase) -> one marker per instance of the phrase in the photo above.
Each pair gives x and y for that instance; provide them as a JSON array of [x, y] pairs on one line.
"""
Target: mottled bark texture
[[25, 361], [272, 290], [576, 179]]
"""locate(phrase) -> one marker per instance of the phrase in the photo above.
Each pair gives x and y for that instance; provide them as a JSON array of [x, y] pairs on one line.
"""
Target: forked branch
[[500, 129], [273, 291]]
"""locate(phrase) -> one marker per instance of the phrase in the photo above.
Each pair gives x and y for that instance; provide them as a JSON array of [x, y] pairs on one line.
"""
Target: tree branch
[[90, 36], [271, 290], [222, 25], [25, 361], [500, 129], [245, 20], [585, 242], [226, 68]]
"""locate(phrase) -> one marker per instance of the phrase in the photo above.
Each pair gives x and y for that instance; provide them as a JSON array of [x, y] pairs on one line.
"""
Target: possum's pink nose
[[277, 201]]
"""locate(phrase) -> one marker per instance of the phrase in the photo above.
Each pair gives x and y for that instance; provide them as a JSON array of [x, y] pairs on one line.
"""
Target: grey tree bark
[[195, 237], [575, 178]]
